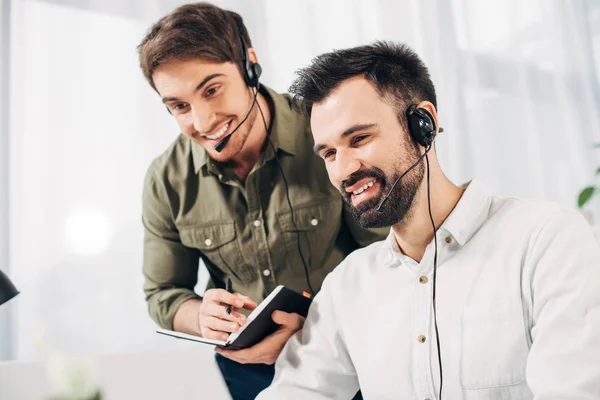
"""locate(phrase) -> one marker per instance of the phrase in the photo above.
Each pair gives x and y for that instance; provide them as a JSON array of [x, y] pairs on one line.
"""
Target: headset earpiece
[[421, 125], [250, 70]]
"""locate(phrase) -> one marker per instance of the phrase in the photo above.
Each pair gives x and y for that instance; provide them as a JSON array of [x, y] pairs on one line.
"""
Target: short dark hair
[[396, 71], [199, 30]]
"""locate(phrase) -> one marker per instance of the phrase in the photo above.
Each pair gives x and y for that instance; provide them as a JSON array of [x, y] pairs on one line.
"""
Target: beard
[[238, 137], [400, 202]]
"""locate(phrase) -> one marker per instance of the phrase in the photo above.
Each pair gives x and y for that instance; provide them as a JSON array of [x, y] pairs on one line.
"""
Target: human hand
[[267, 351], [213, 321]]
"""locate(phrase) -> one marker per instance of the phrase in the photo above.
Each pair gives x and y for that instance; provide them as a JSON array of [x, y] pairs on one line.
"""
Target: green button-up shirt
[[195, 209]]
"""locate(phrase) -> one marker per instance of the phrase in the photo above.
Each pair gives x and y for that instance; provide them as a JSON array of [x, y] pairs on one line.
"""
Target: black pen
[[230, 290]]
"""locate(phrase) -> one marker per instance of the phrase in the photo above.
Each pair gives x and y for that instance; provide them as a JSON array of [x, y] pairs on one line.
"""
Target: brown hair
[[199, 30]]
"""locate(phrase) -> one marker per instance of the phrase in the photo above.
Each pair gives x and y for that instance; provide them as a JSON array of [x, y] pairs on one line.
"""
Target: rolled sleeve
[[170, 268]]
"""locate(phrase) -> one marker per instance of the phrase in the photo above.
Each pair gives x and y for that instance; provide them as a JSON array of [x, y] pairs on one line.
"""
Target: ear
[[431, 108], [252, 55]]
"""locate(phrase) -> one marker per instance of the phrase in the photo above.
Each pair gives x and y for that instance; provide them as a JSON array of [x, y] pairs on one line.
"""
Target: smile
[[218, 133], [363, 188]]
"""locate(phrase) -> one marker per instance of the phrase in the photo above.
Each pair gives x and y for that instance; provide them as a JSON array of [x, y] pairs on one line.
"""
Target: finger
[[219, 311], [246, 299], [224, 297], [291, 321], [221, 325], [264, 352], [249, 304], [208, 333]]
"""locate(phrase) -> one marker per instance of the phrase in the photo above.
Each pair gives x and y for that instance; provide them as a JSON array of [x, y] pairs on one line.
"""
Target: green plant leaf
[[585, 195], [598, 171]]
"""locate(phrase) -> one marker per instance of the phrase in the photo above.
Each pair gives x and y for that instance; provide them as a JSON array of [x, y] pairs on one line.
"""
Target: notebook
[[259, 324]]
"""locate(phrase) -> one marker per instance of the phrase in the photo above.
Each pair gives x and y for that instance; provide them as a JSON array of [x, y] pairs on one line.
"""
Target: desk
[[190, 373]]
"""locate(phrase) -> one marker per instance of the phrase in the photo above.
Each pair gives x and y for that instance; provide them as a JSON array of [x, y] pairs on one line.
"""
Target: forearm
[[164, 304], [186, 317]]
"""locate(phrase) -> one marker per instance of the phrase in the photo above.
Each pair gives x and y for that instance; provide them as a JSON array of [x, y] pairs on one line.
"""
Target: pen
[[230, 290]]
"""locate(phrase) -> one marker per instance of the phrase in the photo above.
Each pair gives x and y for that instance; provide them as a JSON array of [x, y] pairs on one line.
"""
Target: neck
[[415, 232], [250, 154]]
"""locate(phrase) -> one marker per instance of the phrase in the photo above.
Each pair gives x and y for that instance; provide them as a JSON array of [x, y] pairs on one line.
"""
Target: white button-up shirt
[[518, 311]]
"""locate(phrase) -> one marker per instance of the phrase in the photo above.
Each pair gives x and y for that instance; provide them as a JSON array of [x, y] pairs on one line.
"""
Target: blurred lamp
[[7, 289]]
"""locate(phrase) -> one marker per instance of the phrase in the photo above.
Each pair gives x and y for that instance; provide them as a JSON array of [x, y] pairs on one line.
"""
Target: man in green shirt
[[239, 189]]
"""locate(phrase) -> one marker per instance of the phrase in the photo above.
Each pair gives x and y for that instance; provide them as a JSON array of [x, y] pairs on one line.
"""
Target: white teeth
[[362, 189], [359, 191], [219, 133]]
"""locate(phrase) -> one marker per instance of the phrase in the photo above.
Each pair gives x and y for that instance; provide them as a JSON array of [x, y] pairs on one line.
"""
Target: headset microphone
[[221, 145], [251, 71], [400, 177], [421, 127]]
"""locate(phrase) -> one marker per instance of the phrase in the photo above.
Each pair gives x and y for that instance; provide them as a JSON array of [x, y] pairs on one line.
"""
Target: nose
[[203, 118], [343, 166]]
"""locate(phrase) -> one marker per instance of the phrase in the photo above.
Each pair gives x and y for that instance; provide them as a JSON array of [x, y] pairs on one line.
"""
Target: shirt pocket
[[317, 227], [218, 242], [493, 349]]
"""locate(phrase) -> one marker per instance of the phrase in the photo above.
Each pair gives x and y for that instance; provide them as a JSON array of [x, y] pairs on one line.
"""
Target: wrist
[[186, 318]]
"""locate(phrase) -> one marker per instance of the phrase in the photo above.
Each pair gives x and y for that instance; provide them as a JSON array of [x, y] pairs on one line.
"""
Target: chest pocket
[[494, 351], [218, 242], [317, 226]]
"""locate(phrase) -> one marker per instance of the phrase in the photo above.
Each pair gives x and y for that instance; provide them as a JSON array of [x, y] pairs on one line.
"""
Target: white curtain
[[518, 98]]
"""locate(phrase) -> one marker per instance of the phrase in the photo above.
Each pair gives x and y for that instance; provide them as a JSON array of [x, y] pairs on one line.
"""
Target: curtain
[[518, 97]]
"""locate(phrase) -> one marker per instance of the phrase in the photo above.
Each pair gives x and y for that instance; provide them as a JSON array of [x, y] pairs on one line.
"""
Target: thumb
[[288, 320]]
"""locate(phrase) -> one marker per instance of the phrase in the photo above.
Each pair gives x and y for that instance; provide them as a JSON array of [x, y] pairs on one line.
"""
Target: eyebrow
[[354, 128], [198, 87]]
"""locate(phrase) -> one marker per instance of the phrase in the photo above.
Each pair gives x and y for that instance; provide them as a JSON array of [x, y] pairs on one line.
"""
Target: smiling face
[[208, 101], [365, 149]]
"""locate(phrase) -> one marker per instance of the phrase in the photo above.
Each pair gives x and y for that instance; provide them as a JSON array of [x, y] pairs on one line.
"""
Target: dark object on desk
[[7, 289]]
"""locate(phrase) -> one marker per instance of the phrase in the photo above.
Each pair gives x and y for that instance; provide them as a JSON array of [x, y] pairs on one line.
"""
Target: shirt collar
[[284, 120], [469, 214]]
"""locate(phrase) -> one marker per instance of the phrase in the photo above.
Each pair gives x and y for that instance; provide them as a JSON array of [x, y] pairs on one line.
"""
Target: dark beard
[[397, 206]]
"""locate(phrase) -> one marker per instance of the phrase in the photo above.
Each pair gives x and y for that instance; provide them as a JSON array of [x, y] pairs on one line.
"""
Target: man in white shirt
[[516, 283]]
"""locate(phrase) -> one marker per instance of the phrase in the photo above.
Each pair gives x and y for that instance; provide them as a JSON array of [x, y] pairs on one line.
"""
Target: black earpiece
[[250, 70], [421, 125]]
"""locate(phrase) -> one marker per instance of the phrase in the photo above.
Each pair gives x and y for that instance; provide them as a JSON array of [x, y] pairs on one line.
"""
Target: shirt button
[[421, 339], [448, 239], [257, 223], [423, 279], [266, 272], [208, 242]]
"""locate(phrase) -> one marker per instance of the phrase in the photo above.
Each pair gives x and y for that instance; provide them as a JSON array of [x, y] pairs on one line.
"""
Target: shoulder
[[534, 215]]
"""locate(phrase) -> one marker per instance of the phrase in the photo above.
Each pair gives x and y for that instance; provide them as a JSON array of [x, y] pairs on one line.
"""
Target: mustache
[[362, 174]]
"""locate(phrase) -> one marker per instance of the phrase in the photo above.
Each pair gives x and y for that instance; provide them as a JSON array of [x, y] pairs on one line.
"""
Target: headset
[[422, 129], [251, 73]]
